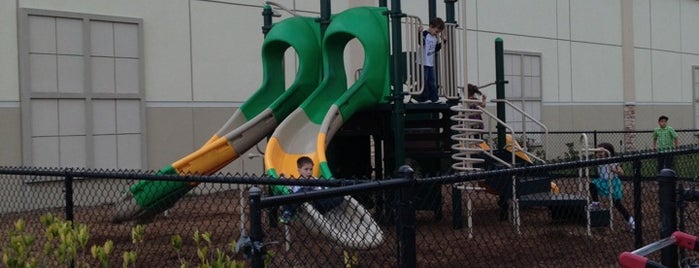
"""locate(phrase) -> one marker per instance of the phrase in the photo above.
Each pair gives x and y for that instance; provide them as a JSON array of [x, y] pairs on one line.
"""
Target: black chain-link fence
[[458, 220], [559, 145]]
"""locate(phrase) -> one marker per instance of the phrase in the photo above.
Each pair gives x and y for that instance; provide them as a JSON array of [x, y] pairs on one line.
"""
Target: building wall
[[202, 61]]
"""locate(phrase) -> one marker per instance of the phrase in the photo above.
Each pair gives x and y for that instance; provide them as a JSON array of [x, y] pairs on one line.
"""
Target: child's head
[[606, 146], [436, 26], [305, 166], [472, 90], [662, 121]]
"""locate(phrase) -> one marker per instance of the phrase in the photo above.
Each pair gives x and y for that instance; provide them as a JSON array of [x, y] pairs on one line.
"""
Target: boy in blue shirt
[[305, 168]]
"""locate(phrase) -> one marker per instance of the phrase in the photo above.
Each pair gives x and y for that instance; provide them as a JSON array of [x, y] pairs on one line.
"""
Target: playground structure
[[319, 113]]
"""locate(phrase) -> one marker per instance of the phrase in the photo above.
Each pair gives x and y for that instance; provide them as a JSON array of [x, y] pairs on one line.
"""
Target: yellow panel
[[285, 163], [208, 159]]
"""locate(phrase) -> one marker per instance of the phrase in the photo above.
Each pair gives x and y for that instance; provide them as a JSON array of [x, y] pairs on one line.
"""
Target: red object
[[630, 260], [636, 259]]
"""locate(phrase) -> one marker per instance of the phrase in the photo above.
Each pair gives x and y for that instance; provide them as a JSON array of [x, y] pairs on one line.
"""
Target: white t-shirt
[[430, 44]]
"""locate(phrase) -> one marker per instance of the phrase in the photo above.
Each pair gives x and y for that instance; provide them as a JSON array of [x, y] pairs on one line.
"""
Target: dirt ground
[[541, 241]]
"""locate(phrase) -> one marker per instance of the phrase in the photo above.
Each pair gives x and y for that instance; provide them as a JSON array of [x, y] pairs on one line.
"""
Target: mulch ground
[[541, 241]]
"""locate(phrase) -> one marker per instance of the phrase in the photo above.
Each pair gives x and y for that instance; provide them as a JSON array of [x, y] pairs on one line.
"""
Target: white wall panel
[[71, 116], [128, 116], [597, 21], [45, 152], [226, 47], [126, 75], [690, 22], [44, 117], [103, 116], [563, 18], [102, 39], [667, 77], [534, 18], [9, 68], [104, 148], [596, 73], [665, 25], [43, 73], [72, 151], [643, 76], [71, 74], [128, 151], [42, 34], [126, 40], [562, 91], [641, 23], [688, 62], [69, 35], [103, 75]]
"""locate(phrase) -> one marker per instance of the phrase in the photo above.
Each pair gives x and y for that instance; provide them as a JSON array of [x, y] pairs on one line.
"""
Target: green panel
[[373, 84], [159, 194], [303, 35]]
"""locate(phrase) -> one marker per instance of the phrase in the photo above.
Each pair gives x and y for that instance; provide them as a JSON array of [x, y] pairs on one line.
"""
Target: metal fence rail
[[421, 221]]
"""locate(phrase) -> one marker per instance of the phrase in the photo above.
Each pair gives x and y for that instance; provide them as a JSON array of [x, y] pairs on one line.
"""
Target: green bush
[[65, 243]]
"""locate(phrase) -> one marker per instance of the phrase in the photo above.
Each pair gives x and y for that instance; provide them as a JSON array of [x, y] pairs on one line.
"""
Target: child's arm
[[616, 169]]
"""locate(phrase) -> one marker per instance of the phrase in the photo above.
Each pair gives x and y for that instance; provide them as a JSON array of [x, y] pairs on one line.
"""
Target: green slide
[[308, 129], [255, 119]]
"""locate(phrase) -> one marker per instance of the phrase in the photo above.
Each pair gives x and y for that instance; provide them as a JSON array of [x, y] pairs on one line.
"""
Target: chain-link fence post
[[667, 180], [637, 204], [256, 234], [405, 224], [68, 185]]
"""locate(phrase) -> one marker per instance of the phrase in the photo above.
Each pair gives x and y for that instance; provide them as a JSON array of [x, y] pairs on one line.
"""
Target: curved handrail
[[585, 155], [282, 7], [524, 129]]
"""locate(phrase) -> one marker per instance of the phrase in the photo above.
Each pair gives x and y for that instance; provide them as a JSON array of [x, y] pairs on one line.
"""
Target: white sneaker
[[428, 101], [632, 224]]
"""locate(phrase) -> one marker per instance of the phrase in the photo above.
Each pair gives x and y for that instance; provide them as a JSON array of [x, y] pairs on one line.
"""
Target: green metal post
[[451, 17], [267, 14], [500, 89], [398, 114], [325, 13], [432, 9], [383, 3]]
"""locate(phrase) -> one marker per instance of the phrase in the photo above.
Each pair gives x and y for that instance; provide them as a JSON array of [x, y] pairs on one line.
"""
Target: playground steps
[[427, 133], [536, 192], [552, 200]]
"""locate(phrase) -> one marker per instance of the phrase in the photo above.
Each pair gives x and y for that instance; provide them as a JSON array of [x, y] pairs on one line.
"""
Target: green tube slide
[[255, 119], [308, 129]]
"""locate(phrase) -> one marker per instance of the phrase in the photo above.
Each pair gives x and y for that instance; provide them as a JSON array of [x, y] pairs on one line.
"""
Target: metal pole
[[637, 204], [405, 224], [325, 13], [256, 234], [431, 9], [68, 185], [500, 90], [398, 116], [667, 180], [383, 3], [267, 15], [451, 14]]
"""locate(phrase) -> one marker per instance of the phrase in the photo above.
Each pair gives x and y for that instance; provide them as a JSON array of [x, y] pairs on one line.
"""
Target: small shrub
[[66, 243]]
